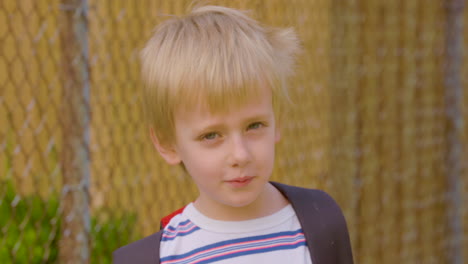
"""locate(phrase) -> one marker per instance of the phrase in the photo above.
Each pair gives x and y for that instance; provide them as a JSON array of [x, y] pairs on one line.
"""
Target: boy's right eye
[[209, 136]]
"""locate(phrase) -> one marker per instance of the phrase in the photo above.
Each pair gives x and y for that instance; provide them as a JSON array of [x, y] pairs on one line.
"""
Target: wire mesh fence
[[379, 121]]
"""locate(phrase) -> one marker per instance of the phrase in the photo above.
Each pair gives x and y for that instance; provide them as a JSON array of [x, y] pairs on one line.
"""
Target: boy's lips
[[240, 181]]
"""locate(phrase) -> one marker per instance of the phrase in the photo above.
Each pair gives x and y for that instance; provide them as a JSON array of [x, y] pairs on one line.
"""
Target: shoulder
[[145, 250]]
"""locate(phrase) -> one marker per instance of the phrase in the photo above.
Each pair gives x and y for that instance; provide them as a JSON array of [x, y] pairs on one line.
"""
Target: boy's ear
[[167, 151]]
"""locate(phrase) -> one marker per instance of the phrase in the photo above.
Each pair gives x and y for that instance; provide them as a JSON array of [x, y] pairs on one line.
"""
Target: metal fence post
[[453, 109], [75, 121]]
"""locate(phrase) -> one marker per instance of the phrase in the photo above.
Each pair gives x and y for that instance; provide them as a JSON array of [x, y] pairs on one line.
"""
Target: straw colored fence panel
[[369, 124]]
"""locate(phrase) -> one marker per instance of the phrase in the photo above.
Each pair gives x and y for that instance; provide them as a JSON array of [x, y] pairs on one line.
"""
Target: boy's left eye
[[255, 125]]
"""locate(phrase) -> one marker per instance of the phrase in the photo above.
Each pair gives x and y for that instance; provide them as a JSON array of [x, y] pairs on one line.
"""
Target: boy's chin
[[244, 200], [241, 204]]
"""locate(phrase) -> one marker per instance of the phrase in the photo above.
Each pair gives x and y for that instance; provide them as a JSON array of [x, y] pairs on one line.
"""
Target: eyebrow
[[258, 117], [218, 126]]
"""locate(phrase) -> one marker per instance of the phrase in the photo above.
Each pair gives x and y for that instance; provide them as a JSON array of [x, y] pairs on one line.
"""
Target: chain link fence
[[379, 121]]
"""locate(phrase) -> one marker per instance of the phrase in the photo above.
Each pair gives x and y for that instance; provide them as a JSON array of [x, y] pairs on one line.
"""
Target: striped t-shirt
[[191, 237]]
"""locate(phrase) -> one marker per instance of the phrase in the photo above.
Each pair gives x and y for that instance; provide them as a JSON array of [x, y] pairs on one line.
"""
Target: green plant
[[110, 235], [30, 229]]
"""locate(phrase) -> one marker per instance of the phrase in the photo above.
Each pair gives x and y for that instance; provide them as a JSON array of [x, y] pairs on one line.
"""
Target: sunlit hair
[[217, 56]]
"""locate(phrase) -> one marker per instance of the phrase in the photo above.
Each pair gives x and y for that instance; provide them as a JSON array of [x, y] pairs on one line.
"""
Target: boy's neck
[[269, 202]]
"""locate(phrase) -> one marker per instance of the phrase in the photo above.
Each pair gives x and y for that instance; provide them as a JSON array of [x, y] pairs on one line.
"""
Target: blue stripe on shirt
[[240, 247]]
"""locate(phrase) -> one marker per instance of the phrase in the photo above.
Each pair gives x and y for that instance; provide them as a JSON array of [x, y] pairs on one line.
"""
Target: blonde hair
[[215, 55]]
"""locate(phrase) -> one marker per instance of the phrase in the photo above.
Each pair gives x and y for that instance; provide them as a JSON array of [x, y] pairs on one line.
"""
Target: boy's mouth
[[240, 182]]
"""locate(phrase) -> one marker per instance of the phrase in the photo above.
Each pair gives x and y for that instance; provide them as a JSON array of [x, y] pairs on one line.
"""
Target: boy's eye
[[209, 136], [255, 125]]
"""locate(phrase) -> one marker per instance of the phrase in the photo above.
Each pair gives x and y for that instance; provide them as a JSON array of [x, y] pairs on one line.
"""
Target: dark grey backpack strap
[[323, 224], [143, 251]]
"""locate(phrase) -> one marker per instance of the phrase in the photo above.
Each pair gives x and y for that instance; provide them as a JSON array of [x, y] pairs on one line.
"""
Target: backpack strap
[[146, 250], [143, 251], [323, 224]]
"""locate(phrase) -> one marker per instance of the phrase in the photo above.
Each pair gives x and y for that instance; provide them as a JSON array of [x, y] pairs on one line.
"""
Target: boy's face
[[230, 156]]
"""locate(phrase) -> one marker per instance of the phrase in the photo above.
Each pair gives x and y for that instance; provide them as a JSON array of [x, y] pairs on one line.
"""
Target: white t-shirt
[[191, 237]]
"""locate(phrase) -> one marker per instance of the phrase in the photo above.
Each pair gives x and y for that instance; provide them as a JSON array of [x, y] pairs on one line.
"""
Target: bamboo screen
[[379, 121]]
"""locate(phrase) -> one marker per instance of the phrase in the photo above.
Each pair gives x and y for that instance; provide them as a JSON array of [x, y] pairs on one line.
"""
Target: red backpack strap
[[165, 220], [146, 250]]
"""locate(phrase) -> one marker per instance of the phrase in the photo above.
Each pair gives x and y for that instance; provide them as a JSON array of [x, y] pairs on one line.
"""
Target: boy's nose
[[240, 153]]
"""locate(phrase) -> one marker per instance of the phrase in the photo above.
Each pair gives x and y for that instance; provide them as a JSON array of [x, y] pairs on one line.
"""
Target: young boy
[[214, 90]]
